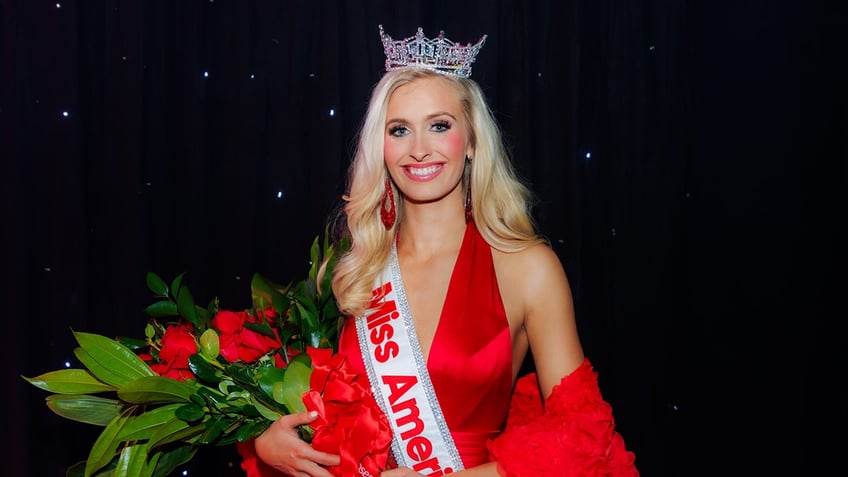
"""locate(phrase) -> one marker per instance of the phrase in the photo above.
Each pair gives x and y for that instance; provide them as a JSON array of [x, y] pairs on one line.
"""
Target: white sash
[[400, 381]]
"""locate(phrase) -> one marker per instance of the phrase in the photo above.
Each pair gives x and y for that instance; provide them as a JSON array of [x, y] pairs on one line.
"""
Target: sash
[[400, 381]]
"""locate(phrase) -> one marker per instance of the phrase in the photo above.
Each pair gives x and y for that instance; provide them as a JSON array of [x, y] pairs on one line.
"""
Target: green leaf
[[266, 293], [267, 376], [176, 283], [214, 428], [69, 381], [211, 398], [290, 391], [157, 285], [203, 369], [253, 429], [134, 344], [106, 445], [156, 389], [314, 259], [101, 372], [132, 461], [162, 309], [76, 470], [173, 431], [186, 306], [120, 360], [210, 345], [309, 314], [172, 459], [83, 408], [265, 411], [260, 328], [190, 412], [142, 426]]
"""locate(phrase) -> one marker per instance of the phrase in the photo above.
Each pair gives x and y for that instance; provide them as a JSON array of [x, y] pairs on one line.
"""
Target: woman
[[442, 240]]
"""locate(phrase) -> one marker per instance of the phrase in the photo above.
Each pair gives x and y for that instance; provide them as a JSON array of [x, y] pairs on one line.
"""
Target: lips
[[423, 173]]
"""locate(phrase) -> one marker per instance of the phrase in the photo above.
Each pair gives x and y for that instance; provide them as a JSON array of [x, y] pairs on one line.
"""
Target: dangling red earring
[[387, 211], [468, 207]]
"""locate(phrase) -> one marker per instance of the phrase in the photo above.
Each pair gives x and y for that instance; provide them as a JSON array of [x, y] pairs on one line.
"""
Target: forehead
[[425, 95]]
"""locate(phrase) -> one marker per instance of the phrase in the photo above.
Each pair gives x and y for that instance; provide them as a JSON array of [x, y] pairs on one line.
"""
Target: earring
[[387, 210], [468, 207]]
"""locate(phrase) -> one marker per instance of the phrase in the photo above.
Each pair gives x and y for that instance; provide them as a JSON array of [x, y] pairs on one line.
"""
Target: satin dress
[[470, 359]]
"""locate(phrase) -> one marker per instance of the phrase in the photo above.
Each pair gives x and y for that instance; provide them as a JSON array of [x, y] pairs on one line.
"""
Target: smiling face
[[427, 140]]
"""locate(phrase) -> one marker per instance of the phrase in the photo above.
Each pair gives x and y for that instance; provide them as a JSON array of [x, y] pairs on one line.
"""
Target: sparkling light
[[588, 155], [58, 5], [281, 194], [252, 76], [65, 114], [205, 74], [67, 364], [332, 112]]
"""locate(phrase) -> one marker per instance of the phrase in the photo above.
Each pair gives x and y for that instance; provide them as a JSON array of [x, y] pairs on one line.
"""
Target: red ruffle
[[573, 435]]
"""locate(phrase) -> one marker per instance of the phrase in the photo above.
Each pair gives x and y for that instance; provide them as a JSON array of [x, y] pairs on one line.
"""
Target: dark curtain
[[688, 160]]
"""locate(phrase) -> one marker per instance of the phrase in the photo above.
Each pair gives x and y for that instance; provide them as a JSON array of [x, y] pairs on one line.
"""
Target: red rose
[[178, 343], [240, 343], [349, 423]]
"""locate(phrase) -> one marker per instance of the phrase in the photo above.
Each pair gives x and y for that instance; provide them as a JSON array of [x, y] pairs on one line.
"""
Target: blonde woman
[[447, 286]]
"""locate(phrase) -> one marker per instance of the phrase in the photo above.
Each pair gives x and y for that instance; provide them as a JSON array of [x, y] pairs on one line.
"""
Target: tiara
[[438, 54]]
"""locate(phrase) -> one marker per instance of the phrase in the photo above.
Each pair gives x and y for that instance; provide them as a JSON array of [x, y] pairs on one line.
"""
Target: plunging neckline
[[463, 246]]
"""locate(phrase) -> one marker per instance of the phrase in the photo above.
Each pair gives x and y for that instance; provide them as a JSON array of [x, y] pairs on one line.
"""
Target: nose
[[420, 148]]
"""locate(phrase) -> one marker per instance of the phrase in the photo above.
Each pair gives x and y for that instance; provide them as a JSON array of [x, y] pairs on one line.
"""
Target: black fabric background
[[688, 159]]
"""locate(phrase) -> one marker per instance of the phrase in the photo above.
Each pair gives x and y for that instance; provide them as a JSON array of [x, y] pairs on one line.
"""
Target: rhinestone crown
[[438, 54]]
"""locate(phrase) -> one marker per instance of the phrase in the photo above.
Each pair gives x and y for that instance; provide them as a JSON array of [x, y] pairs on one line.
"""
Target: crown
[[438, 54]]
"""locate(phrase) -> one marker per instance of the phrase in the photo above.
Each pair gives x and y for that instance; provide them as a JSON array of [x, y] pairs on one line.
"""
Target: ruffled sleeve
[[572, 434]]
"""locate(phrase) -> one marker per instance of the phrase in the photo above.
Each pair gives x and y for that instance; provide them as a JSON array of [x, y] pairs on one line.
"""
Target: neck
[[425, 233]]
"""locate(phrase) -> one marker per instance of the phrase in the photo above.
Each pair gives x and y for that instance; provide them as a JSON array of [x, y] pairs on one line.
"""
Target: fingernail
[[313, 414]]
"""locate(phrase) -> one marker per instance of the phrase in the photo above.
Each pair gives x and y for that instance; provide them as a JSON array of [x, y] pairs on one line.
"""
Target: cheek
[[391, 151], [454, 144]]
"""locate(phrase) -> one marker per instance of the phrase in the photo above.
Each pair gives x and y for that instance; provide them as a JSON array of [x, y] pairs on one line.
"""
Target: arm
[[558, 424]]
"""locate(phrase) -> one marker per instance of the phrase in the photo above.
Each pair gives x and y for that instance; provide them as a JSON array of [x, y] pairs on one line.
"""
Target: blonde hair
[[500, 201]]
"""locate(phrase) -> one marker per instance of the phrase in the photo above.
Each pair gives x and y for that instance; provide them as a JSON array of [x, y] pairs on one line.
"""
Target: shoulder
[[531, 274], [537, 262]]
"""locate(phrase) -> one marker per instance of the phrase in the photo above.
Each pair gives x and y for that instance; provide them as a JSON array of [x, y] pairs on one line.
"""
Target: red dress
[[470, 366], [472, 336]]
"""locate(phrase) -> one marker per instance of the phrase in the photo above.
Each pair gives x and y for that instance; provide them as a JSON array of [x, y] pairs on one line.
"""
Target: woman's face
[[426, 140]]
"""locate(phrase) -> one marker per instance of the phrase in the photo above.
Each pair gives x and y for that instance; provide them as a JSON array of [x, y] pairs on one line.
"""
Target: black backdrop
[[688, 159]]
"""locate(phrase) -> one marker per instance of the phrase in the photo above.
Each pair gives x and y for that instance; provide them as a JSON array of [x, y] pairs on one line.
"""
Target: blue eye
[[398, 131], [441, 126]]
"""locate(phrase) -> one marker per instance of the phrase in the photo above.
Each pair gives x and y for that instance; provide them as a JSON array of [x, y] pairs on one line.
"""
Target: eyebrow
[[428, 117]]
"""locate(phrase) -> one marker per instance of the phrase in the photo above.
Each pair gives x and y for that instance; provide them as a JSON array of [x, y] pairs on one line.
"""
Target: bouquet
[[208, 376]]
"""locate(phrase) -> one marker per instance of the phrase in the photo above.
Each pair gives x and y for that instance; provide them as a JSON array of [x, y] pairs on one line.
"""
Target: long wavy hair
[[500, 201]]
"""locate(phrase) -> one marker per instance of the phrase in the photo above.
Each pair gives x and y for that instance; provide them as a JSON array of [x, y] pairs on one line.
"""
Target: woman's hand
[[281, 447]]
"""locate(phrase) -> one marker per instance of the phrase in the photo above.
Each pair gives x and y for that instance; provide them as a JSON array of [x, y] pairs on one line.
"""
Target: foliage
[[200, 376]]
